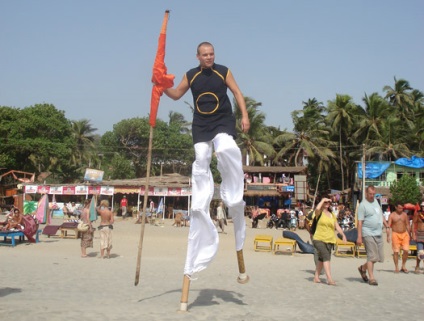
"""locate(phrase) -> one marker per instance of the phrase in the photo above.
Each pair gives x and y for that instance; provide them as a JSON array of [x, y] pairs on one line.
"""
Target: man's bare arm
[[231, 83], [179, 91]]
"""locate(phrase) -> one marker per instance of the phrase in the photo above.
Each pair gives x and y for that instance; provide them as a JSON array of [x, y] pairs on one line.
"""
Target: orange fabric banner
[[160, 79]]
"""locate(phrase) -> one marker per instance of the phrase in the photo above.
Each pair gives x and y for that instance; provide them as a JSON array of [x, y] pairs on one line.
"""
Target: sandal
[[363, 274], [417, 270], [372, 282], [404, 271]]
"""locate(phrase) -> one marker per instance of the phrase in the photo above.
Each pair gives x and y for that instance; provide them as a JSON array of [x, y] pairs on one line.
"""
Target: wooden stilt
[[243, 277], [184, 294]]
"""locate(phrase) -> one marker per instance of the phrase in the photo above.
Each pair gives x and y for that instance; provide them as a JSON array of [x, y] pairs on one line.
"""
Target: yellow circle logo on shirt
[[209, 102]]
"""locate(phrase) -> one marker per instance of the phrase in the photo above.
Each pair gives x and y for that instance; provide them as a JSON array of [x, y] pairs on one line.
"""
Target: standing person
[[87, 236], [399, 223], [387, 213], [325, 238], [151, 206], [105, 228], [370, 225], [213, 127], [221, 216], [418, 235], [124, 205]]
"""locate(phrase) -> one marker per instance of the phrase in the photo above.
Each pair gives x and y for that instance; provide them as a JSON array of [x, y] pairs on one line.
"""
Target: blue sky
[[93, 59]]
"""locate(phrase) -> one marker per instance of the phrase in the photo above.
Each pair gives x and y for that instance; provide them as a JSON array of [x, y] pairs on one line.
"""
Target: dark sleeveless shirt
[[213, 113]]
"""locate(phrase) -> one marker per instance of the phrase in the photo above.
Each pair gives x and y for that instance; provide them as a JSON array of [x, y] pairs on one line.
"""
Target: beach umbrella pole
[[143, 217]]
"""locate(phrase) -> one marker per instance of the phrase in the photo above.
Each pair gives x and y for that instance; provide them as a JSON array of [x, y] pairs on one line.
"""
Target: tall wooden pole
[[143, 217]]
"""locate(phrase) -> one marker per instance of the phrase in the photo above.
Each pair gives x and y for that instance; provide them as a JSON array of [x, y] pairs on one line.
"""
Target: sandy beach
[[50, 281]]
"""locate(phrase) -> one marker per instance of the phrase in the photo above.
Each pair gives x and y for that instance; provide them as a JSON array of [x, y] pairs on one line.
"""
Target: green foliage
[[121, 168], [40, 134], [30, 207], [256, 144], [39, 138], [405, 190], [172, 148]]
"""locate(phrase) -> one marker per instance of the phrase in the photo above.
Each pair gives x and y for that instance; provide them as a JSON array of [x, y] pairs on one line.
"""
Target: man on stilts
[[213, 129]]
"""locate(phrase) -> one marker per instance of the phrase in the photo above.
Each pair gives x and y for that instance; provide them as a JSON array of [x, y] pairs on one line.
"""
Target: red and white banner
[[105, 190]]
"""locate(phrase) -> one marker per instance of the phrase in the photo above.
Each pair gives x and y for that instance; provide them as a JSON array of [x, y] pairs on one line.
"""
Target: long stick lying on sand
[[143, 217]]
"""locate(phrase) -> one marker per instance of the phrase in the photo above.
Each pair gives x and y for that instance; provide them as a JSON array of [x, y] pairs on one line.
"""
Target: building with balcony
[[383, 174], [279, 185]]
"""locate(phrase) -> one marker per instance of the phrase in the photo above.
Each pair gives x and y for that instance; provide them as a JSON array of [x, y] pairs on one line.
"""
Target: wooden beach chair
[[360, 251], [412, 253], [343, 249], [284, 245], [263, 243]]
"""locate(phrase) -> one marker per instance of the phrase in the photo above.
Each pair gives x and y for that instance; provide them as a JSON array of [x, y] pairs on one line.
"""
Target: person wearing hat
[[418, 234]]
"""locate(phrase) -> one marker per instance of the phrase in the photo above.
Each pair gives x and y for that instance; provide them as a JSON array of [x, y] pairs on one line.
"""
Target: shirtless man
[[105, 228], [401, 231], [14, 221], [418, 235]]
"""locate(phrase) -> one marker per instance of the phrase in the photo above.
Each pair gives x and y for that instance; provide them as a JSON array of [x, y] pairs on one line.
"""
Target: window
[[399, 175]]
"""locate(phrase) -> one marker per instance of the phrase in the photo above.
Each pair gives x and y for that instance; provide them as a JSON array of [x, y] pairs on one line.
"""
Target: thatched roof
[[259, 193], [166, 180], [275, 169]]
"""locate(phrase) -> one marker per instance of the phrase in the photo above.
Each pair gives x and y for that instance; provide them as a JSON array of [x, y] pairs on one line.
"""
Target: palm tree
[[82, 132], [417, 132], [371, 121], [257, 142], [340, 116], [310, 116], [179, 120], [393, 143], [400, 97], [310, 142]]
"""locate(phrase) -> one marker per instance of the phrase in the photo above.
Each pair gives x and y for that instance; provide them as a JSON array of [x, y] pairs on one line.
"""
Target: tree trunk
[[341, 157]]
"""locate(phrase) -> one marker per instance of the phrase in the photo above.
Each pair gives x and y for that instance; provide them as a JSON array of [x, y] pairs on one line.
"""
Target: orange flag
[[160, 79]]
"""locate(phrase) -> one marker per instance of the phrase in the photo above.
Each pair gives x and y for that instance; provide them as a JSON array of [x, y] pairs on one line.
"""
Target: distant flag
[[93, 212], [160, 78], [160, 207]]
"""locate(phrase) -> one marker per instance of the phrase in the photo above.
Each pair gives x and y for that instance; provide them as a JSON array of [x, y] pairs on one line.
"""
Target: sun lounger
[[283, 245], [15, 235], [412, 253], [262, 243], [344, 249], [303, 246], [50, 230], [69, 226]]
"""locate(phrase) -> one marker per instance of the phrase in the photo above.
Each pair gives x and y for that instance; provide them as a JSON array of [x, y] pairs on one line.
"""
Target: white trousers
[[203, 237]]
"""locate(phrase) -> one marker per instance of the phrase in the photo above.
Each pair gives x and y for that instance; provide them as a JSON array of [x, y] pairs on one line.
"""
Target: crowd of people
[[371, 222], [331, 218]]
